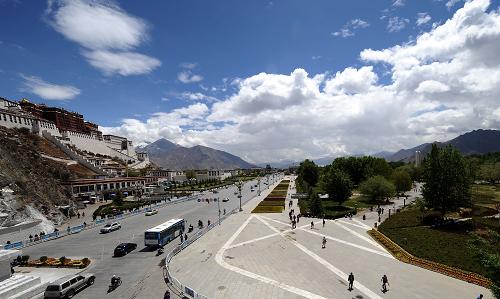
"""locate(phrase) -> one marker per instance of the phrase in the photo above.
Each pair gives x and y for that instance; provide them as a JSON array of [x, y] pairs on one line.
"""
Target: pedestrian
[[8, 242], [84, 224], [167, 295], [324, 242], [83, 214], [294, 224], [480, 296], [298, 217], [385, 283], [324, 221], [312, 224], [350, 279], [31, 238], [78, 215], [294, 218], [293, 211], [185, 237], [68, 230], [182, 238], [224, 211]]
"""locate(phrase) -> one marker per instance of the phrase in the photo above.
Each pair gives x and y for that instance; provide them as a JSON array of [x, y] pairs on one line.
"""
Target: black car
[[124, 248]]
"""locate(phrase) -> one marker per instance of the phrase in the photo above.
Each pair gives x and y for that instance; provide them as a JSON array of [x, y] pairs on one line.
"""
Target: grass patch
[[446, 245], [272, 203]]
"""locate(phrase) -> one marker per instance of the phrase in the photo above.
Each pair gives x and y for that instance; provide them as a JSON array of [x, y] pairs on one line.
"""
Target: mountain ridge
[[170, 155]]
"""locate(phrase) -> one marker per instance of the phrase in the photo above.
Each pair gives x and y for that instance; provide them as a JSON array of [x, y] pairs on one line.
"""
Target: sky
[[265, 80]]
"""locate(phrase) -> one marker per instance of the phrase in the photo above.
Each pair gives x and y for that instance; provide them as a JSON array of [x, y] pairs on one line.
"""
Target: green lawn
[[448, 245]]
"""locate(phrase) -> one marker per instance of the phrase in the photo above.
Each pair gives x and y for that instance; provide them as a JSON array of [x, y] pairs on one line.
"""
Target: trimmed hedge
[[272, 203]]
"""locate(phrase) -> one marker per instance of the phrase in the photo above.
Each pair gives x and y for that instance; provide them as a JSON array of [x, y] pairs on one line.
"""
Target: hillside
[[27, 178], [475, 142], [173, 156]]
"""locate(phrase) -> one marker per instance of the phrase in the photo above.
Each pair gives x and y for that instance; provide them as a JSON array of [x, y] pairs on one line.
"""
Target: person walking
[[294, 218], [298, 217], [385, 283], [312, 224], [350, 279], [480, 296], [324, 242], [324, 221], [182, 238]]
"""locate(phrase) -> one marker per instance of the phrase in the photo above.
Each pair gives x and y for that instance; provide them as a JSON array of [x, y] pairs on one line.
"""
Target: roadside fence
[[174, 282], [76, 229]]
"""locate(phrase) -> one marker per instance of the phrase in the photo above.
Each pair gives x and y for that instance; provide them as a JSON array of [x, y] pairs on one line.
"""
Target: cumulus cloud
[[188, 77], [398, 3], [107, 33], [396, 24], [444, 83], [48, 91], [348, 29], [423, 18]]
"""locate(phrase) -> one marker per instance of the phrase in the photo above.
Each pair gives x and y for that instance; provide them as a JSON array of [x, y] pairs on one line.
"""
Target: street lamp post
[[218, 206], [239, 184]]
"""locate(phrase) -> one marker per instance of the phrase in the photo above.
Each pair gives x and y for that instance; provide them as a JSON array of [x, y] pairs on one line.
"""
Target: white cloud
[[431, 86], [197, 96], [188, 77], [398, 3], [423, 18], [444, 83], [189, 65], [48, 91], [348, 29], [396, 24], [123, 63], [451, 3], [106, 32]]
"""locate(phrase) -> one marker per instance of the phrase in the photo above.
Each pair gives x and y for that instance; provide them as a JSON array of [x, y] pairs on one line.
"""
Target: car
[[66, 287], [151, 212], [225, 199], [124, 248], [110, 227]]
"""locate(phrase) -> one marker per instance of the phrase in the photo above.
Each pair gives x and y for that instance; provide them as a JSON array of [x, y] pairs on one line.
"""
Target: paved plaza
[[260, 256]]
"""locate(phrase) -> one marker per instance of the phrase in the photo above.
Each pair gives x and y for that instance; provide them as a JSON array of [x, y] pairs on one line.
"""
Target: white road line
[[362, 224], [329, 266], [382, 253], [350, 223], [349, 243], [361, 236], [253, 240], [220, 260]]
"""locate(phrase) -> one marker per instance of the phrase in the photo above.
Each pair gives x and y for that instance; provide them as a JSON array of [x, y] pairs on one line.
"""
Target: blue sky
[[190, 53]]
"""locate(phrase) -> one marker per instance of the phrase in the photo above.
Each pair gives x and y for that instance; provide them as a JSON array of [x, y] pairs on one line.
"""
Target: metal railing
[[78, 228], [174, 282]]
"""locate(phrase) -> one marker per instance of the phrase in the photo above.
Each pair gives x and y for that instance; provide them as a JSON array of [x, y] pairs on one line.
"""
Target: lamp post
[[258, 180], [239, 184], [218, 206]]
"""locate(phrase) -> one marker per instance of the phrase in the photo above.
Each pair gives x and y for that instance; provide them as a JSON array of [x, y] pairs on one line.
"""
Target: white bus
[[164, 233]]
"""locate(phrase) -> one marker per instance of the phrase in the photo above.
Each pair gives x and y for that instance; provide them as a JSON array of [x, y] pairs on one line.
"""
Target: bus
[[160, 235]]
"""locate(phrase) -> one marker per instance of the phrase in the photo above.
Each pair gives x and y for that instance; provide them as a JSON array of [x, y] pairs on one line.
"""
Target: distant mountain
[[476, 142], [173, 156]]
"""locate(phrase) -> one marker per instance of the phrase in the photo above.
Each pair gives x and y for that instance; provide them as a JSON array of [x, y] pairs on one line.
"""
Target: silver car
[[110, 227], [67, 287]]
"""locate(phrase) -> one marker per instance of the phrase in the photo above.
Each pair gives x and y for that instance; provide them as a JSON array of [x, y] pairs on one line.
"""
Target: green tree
[[377, 188], [337, 184], [446, 177], [315, 204], [308, 174], [401, 180]]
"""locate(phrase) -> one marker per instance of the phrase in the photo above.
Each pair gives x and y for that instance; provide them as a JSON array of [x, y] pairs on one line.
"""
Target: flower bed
[[61, 262], [267, 209]]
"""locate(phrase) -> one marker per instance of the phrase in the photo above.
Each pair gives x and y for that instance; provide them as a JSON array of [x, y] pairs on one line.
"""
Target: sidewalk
[[259, 256]]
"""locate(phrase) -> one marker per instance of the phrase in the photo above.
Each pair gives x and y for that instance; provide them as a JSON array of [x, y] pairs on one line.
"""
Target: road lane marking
[[350, 223], [325, 263], [220, 260], [361, 236]]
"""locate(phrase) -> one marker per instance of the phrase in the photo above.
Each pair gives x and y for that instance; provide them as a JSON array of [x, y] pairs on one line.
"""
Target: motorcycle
[[160, 251], [115, 283]]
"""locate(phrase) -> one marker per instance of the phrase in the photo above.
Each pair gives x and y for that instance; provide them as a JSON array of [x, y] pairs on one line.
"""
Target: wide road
[[141, 267]]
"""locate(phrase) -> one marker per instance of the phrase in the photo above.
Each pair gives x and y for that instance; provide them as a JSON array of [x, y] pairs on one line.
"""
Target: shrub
[[25, 259], [430, 218], [62, 259], [86, 261], [43, 259]]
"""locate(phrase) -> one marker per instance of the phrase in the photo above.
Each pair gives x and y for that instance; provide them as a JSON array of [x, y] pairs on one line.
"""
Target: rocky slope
[[28, 180]]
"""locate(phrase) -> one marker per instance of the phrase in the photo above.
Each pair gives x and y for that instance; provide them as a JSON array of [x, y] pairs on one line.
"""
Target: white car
[[110, 227], [225, 199], [151, 212]]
